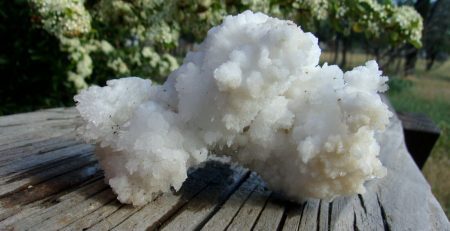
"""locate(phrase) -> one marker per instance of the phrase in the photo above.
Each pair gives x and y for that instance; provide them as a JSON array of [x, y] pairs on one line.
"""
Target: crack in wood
[[42, 146], [361, 201], [301, 215], [29, 183], [10, 125], [330, 209], [355, 224], [212, 181], [50, 187], [88, 214], [46, 212], [318, 216], [124, 218], [87, 188], [29, 164], [57, 221], [260, 212], [94, 217], [84, 159], [16, 147], [386, 224], [99, 176], [283, 219], [53, 149], [34, 168], [68, 118], [240, 207], [173, 212], [222, 202], [120, 215]]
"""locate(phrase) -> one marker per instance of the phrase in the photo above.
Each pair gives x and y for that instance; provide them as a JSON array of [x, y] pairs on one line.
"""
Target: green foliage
[[379, 21], [32, 65], [437, 32], [84, 42], [437, 165], [438, 109], [138, 37], [397, 85]]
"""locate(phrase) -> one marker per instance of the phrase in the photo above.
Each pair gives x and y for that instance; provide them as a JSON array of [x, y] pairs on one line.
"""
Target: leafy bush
[[33, 67], [57, 47]]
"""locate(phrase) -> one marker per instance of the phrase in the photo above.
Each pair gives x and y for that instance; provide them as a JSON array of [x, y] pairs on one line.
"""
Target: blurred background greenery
[[51, 49]]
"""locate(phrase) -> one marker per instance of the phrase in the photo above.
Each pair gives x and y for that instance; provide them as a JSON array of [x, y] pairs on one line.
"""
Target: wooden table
[[51, 180]]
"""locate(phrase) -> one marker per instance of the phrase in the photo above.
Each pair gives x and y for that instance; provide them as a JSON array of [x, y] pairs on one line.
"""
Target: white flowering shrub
[[112, 38], [105, 38], [64, 17], [399, 25], [407, 23]]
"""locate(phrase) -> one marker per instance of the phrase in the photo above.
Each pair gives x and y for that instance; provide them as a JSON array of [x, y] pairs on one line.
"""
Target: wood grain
[[50, 180]]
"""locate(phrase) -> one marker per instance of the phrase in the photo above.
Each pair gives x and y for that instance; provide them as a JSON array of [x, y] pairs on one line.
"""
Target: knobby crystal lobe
[[252, 90]]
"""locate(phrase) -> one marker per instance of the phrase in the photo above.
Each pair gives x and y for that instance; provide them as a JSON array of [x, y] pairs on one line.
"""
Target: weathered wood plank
[[58, 202], [404, 196], [93, 218], [36, 116], [11, 204], [250, 211], [44, 159], [309, 217], [367, 214], [270, 217], [168, 205], [61, 208], [71, 215], [155, 213], [28, 139], [32, 127], [323, 216], [29, 127], [42, 152], [47, 145], [293, 215], [192, 215], [228, 211], [341, 214], [15, 182], [23, 130], [117, 217]]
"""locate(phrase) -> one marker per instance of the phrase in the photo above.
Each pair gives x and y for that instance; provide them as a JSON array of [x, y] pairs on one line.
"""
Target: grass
[[430, 94], [425, 92]]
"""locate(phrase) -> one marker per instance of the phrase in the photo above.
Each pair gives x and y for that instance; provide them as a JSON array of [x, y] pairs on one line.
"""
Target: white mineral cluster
[[252, 90]]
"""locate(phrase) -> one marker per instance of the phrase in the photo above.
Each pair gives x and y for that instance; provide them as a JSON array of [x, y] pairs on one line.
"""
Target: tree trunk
[[410, 59], [345, 44], [431, 49], [399, 63], [376, 52], [390, 57], [336, 49], [423, 7], [344, 56], [430, 60]]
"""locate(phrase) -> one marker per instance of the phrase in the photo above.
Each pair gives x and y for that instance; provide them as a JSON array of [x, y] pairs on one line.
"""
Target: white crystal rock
[[252, 90]]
